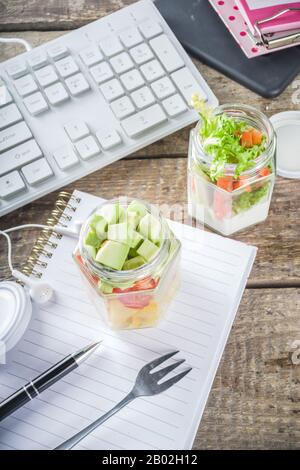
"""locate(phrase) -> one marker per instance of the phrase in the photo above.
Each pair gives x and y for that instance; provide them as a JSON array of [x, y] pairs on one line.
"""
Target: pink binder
[[251, 44], [258, 10]]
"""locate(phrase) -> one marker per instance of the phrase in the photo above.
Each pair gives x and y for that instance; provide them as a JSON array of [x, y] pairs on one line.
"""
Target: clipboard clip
[[275, 40]]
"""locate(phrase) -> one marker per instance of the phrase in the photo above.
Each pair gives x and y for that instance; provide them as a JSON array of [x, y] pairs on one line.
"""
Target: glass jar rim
[[141, 272], [247, 110]]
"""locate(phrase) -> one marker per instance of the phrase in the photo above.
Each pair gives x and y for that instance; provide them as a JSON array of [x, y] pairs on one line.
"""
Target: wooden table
[[255, 399]]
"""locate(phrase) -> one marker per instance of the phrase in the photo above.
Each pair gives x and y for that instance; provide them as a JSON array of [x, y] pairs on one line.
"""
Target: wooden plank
[[56, 14], [255, 400], [163, 180], [226, 90]]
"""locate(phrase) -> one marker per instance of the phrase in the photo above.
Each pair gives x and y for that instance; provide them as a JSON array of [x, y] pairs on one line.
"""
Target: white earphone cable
[[21, 41]]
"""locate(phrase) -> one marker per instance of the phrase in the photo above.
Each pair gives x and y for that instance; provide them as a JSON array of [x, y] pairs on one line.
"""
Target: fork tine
[[172, 381], [160, 360], [160, 374]]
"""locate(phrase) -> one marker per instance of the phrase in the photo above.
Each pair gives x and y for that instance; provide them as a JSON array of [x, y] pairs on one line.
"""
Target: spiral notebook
[[214, 274]]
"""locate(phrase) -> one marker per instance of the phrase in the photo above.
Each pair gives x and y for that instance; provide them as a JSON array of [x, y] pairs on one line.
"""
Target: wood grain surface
[[255, 400]]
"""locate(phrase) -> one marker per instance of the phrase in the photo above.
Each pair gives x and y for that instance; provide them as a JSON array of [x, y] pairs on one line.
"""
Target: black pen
[[45, 380]]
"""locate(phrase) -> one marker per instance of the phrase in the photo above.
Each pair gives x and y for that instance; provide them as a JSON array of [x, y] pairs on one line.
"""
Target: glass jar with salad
[[129, 260], [231, 169]]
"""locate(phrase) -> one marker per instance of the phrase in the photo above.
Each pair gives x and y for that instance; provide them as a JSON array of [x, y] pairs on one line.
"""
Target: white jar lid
[[287, 128], [15, 313]]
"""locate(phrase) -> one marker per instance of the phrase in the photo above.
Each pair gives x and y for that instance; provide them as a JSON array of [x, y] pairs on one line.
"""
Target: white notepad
[[214, 275]]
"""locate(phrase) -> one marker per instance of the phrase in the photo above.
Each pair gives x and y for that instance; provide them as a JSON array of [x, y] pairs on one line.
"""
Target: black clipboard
[[203, 34]]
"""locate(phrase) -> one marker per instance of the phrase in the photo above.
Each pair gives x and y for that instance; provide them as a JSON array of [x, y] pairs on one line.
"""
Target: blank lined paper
[[214, 273]]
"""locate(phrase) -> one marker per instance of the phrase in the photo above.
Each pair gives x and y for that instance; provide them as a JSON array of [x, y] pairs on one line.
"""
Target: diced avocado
[[112, 254], [138, 208], [147, 250], [101, 228], [150, 228], [91, 251], [105, 287], [133, 263], [92, 239], [94, 220], [112, 213]]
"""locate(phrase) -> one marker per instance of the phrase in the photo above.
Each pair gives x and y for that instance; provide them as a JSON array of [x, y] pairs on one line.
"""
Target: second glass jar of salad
[[129, 259], [231, 169]]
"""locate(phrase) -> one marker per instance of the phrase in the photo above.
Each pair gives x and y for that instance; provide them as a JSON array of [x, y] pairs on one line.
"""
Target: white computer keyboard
[[90, 97]]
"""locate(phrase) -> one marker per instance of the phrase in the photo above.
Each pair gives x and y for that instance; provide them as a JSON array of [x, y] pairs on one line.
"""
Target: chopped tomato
[[225, 182], [256, 137], [135, 301], [222, 205], [79, 258], [144, 284], [264, 172], [247, 139], [241, 182]]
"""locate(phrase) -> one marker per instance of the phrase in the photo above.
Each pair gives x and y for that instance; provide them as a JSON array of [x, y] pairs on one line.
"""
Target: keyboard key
[[111, 46], [19, 156], [76, 130], [101, 72], [37, 59], [37, 171], [131, 37], [108, 138], [9, 115], [25, 85], [174, 105], [112, 90], [141, 54], [132, 80], [143, 97], [57, 51], [11, 184], [14, 135], [187, 84], [122, 107], [167, 53], [36, 103], [46, 76], [56, 93], [17, 69], [66, 66], [91, 56], [149, 29], [5, 96], [144, 121], [77, 84], [163, 88], [152, 71], [65, 157], [121, 63], [87, 148]]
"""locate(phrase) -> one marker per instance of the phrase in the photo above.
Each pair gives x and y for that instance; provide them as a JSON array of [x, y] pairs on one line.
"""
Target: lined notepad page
[[214, 274]]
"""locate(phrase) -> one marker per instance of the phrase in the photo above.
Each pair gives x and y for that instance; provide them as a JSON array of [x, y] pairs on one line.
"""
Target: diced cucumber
[[138, 208], [132, 218], [112, 254], [94, 220], [101, 228], [150, 228], [147, 250], [112, 213], [91, 251], [92, 240], [133, 263], [123, 233], [105, 287]]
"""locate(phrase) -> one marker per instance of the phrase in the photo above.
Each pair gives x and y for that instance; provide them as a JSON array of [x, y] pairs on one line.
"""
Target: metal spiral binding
[[58, 216]]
